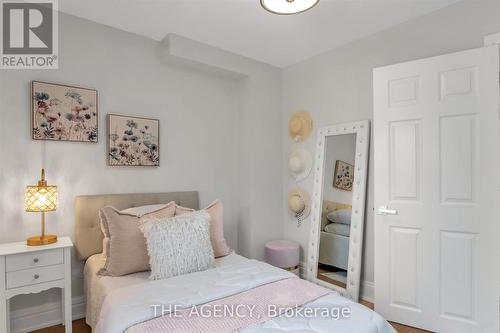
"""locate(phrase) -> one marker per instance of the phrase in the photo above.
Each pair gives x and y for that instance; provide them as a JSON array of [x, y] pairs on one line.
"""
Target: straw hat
[[300, 125], [299, 163], [299, 202]]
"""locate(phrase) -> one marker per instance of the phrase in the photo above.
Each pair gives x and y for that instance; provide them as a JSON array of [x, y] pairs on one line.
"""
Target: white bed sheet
[[98, 287]]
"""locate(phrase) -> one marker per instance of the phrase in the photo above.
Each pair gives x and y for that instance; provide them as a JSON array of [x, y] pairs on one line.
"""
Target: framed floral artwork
[[343, 178], [133, 141], [64, 113]]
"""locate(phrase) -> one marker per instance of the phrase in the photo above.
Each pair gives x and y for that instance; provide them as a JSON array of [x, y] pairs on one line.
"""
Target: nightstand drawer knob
[[36, 276], [35, 260]]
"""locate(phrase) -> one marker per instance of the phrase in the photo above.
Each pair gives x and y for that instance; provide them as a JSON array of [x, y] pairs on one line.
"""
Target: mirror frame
[[362, 131]]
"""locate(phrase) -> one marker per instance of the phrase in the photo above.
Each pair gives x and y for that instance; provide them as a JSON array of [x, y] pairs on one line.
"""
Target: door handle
[[383, 210]]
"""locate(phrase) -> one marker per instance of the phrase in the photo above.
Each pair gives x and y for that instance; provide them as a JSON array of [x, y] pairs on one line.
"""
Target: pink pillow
[[216, 212], [124, 243], [179, 210]]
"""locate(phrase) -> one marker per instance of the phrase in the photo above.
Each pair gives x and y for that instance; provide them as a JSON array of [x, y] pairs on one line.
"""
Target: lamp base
[[39, 240]]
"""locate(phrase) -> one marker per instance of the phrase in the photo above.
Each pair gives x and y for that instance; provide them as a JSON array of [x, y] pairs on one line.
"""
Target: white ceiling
[[243, 27]]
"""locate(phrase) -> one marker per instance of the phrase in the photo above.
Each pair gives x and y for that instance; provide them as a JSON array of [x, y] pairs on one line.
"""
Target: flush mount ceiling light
[[288, 7]]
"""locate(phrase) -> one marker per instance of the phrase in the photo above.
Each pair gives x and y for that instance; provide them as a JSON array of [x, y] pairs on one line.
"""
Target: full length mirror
[[336, 239]]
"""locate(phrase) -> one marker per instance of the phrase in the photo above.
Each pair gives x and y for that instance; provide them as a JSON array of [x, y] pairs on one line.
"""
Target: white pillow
[[340, 216], [338, 229], [142, 210], [179, 245]]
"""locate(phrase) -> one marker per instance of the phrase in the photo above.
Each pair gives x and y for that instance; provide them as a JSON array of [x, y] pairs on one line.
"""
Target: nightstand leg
[[63, 305], [7, 307], [67, 312], [4, 316], [67, 292]]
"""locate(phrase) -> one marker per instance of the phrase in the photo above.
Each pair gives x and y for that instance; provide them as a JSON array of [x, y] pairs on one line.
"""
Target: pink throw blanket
[[238, 311]]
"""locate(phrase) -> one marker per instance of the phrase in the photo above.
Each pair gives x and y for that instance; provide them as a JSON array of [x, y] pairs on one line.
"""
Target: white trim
[[368, 291], [362, 131], [492, 39], [45, 315]]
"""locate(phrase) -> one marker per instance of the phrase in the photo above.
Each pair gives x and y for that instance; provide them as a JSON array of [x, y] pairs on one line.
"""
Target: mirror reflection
[[336, 209]]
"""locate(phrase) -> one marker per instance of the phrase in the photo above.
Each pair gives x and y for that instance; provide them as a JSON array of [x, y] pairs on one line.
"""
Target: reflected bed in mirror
[[339, 203], [334, 242]]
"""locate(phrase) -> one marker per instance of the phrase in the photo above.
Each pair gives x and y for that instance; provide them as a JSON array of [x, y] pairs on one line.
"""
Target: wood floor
[[79, 326], [327, 279]]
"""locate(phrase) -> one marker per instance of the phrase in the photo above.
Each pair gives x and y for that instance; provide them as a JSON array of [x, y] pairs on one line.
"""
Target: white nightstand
[[33, 269]]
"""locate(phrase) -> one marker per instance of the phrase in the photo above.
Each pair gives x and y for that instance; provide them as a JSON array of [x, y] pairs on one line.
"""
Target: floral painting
[[133, 141], [343, 177], [63, 113]]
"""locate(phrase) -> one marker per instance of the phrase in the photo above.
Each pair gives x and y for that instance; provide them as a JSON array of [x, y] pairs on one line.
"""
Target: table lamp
[[41, 198]]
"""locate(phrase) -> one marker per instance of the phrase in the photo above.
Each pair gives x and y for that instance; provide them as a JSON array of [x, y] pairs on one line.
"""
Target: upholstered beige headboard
[[88, 234], [327, 207]]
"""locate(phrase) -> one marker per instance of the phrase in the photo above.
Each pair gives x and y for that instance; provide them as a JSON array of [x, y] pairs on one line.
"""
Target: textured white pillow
[[179, 245]]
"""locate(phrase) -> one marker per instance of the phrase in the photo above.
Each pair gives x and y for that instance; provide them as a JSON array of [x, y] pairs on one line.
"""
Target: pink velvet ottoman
[[283, 254]]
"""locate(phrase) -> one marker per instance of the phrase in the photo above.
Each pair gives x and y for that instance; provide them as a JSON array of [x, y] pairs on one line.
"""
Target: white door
[[436, 170]]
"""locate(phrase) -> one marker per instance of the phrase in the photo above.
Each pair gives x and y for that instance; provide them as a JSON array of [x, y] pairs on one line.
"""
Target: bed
[[124, 304], [97, 287], [334, 247]]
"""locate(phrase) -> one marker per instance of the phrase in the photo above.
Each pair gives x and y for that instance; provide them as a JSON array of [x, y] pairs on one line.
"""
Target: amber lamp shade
[[41, 198]]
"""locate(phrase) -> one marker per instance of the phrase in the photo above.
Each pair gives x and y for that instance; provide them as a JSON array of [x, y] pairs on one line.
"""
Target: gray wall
[[208, 143], [336, 86]]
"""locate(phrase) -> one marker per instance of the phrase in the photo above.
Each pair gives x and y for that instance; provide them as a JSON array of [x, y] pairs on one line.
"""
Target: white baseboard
[[41, 316], [367, 292]]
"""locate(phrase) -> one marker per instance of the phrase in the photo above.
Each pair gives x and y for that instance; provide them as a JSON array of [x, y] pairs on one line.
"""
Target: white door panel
[[436, 163], [405, 160], [405, 268]]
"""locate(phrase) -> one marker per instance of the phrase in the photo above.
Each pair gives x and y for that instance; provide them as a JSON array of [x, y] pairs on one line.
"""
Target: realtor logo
[[29, 34]]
